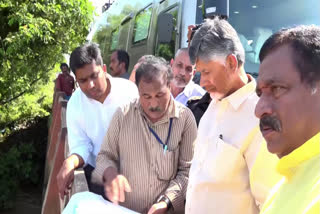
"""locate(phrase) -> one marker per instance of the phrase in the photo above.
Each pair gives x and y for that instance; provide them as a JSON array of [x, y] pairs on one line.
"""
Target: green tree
[[34, 34]]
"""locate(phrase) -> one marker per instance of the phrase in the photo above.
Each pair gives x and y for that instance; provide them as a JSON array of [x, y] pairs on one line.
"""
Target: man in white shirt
[[90, 111], [182, 86], [231, 171]]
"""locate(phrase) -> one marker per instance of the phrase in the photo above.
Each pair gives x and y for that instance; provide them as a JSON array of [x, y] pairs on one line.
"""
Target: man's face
[[182, 69], [92, 81], [286, 107], [215, 77], [115, 65], [64, 69], [154, 98]]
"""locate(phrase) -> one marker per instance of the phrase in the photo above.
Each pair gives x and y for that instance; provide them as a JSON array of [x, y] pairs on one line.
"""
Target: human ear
[[232, 62]]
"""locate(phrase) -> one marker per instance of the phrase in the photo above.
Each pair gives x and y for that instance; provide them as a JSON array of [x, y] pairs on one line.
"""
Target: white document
[[88, 202]]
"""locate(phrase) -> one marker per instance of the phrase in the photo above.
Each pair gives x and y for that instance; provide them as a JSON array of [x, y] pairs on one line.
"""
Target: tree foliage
[[22, 158], [34, 34]]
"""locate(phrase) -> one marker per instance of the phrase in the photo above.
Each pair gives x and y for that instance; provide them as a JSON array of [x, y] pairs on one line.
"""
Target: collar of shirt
[[65, 74], [239, 96], [108, 98], [206, 99], [171, 112], [187, 91], [125, 75], [288, 165]]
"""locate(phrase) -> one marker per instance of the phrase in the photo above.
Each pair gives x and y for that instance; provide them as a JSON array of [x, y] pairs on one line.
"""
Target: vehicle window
[[167, 50], [114, 39], [256, 21], [142, 24]]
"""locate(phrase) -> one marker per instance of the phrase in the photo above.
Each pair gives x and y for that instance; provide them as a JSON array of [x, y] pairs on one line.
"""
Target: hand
[[190, 27], [115, 185], [158, 208], [65, 177]]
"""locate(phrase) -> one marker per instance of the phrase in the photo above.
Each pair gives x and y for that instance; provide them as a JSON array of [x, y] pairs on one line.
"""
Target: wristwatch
[[165, 199]]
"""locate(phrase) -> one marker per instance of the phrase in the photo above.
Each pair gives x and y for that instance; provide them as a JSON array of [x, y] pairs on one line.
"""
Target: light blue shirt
[[191, 90]]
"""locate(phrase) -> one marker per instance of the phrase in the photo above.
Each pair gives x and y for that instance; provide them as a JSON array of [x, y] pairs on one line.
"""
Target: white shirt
[[191, 90], [88, 119], [230, 171]]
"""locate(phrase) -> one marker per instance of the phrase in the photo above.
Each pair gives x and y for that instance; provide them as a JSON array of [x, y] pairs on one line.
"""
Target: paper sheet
[[87, 202]]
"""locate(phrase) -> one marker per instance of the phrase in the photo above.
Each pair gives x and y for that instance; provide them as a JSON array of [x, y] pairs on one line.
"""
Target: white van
[[159, 27]]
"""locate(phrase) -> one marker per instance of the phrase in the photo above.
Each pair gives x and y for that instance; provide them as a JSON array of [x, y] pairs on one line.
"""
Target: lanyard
[[165, 146]]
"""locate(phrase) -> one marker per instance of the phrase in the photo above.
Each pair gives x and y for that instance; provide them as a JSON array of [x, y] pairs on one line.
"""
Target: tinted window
[[167, 50], [114, 39], [256, 20], [142, 24]]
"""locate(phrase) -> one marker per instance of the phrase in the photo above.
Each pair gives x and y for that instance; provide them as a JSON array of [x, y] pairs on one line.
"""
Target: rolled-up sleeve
[[78, 141], [176, 191]]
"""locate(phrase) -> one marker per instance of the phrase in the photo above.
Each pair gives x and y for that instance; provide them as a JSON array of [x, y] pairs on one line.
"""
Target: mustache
[[270, 122], [155, 109], [179, 77]]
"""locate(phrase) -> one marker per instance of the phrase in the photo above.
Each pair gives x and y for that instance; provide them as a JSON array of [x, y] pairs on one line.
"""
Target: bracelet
[[165, 199]]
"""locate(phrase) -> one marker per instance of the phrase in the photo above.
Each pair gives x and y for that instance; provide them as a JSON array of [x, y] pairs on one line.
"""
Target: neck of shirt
[[289, 164]]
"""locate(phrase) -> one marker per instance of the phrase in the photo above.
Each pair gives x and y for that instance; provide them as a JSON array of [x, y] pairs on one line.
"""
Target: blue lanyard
[[165, 146]]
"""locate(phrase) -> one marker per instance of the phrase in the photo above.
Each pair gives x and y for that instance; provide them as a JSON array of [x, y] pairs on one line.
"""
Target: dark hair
[[85, 55], [305, 44], [153, 67], [123, 56], [64, 65], [216, 37]]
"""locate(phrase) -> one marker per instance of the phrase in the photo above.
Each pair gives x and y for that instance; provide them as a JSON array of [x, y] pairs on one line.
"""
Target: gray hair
[[152, 68], [181, 50], [216, 38], [144, 57]]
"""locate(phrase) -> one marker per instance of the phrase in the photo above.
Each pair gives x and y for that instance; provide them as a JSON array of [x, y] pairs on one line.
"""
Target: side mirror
[[165, 27]]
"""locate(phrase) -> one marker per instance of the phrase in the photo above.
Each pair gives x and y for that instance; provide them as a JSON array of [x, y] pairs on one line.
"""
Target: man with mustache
[[89, 113], [182, 86], [232, 171], [289, 113], [145, 157]]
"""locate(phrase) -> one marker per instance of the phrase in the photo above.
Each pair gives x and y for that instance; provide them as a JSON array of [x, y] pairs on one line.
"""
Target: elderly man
[[89, 112], [147, 169], [182, 86], [231, 171], [289, 113], [119, 64]]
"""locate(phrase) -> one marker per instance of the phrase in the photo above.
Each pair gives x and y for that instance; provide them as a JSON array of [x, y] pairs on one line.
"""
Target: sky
[[99, 3]]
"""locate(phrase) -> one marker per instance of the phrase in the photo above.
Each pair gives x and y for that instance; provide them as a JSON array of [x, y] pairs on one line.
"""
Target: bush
[[22, 158]]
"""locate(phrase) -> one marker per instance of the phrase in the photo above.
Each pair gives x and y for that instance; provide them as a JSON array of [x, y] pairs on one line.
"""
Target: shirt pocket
[[224, 163], [167, 164]]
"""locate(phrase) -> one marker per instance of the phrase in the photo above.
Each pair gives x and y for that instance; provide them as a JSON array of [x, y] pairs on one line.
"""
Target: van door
[[124, 32], [166, 48], [140, 36]]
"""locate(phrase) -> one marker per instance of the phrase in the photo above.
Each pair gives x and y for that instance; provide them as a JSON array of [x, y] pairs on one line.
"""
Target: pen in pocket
[[165, 149]]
